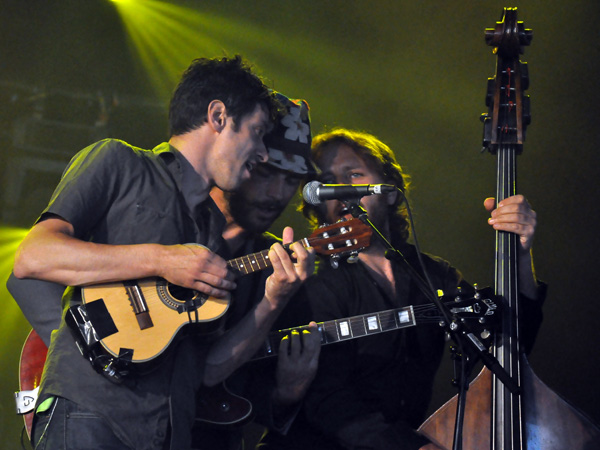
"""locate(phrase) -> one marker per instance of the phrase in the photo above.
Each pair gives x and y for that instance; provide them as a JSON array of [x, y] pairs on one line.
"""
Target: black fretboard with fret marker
[[473, 308], [345, 329]]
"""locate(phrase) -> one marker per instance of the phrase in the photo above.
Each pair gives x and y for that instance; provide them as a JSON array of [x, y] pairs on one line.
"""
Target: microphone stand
[[457, 329]]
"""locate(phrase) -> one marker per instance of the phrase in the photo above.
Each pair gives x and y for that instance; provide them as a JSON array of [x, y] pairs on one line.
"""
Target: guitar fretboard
[[478, 309], [345, 329], [245, 265], [251, 263]]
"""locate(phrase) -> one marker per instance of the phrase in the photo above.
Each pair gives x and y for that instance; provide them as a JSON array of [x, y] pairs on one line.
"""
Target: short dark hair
[[380, 157], [230, 80]]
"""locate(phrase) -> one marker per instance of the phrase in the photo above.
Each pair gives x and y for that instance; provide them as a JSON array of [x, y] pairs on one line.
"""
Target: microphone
[[316, 193]]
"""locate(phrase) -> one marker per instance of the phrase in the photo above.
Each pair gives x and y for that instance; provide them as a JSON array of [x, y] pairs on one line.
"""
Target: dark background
[[412, 73]]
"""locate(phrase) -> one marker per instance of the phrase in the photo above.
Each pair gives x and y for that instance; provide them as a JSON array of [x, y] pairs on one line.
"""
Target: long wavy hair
[[379, 156]]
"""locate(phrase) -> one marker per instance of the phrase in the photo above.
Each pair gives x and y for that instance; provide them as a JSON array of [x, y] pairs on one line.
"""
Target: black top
[[255, 380]]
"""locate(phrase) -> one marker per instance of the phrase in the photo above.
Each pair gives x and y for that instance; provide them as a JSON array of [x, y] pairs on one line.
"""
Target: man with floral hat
[[252, 209], [274, 392]]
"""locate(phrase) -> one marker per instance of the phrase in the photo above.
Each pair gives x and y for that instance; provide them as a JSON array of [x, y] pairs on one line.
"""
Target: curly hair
[[230, 80], [379, 156]]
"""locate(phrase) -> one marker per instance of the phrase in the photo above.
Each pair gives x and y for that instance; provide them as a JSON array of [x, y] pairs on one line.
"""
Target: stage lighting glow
[[166, 37], [12, 318]]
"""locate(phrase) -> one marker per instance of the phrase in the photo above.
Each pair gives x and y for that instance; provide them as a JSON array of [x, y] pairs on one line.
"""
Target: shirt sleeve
[[89, 185], [533, 316], [40, 302]]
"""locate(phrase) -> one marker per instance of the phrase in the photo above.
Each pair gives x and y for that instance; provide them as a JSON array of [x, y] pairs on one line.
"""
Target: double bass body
[[550, 423]]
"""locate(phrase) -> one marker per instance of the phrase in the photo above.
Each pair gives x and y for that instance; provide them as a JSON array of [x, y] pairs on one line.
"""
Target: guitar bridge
[[139, 305]]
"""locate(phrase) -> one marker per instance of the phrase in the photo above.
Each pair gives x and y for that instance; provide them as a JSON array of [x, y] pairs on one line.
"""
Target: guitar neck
[[343, 238], [254, 262], [477, 309], [346, 329]]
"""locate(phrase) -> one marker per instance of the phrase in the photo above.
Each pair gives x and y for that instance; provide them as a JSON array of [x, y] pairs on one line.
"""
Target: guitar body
[[31, 365], [147, 338], [219, 406], [550, 423]]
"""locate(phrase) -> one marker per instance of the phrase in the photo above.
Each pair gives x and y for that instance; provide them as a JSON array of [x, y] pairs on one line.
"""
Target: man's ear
[[217, 115]]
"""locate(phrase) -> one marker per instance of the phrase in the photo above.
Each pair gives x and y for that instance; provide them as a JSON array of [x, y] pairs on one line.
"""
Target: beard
[[254, 217]]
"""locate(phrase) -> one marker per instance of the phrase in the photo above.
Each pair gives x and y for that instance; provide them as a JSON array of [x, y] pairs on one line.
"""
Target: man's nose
[[263, 155]]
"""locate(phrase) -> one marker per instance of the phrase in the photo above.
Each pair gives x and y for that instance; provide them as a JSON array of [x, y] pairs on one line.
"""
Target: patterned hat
[[288, 144]]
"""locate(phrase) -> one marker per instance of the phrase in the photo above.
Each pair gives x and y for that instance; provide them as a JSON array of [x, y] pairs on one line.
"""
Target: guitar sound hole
[[181, 293]]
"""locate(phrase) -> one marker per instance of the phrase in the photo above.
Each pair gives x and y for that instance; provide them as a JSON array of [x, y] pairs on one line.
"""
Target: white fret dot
[[372, 323], [241, 265], [253, 261], [344, 330]]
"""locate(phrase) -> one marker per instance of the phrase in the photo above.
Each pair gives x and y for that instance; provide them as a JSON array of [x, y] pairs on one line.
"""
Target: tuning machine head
[[352, 258]]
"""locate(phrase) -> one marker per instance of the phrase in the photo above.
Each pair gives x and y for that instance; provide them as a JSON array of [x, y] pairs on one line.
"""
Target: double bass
[[496, 417]]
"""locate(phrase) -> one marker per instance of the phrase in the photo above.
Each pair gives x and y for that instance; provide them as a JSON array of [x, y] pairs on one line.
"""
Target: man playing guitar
[[122, 213]]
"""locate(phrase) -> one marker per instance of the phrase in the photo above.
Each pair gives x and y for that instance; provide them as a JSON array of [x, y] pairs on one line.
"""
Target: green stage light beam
[[12, 318]]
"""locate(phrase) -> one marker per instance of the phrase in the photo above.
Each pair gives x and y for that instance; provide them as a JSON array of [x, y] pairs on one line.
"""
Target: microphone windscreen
[[309, 193]]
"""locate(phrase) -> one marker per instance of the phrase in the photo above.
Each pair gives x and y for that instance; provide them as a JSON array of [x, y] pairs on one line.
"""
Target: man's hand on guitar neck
[[297, 365], [288, 274], [514, 214], [241, 342]]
